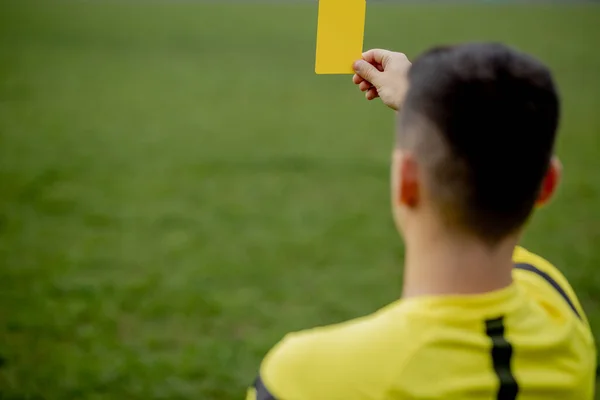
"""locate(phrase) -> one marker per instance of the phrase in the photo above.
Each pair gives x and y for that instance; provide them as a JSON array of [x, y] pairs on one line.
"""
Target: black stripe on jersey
[[501, 358], [262, 393], [555, 285]]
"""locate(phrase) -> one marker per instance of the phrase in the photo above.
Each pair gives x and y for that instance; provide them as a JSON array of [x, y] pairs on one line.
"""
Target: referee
[[479, 318]]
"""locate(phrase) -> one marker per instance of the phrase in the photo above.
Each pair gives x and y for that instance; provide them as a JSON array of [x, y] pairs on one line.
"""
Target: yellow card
[[340, 35]]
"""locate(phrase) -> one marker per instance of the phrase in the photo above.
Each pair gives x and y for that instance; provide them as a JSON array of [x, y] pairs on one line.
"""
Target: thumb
[[367, 71]]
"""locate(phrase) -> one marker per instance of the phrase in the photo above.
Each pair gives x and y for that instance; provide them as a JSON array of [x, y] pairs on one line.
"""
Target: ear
[[550, 182], [408, 188]]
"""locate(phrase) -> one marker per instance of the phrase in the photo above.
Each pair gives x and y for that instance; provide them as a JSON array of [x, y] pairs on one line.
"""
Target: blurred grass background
[[178, 189]]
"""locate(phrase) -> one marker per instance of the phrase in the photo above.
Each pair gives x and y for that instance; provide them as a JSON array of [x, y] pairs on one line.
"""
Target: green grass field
[[178, 189]]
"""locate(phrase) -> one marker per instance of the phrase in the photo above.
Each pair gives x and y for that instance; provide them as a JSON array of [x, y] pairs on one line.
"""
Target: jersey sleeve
[[251, 394], [333, 363], [286, 372], [523, 256], [259, 391]]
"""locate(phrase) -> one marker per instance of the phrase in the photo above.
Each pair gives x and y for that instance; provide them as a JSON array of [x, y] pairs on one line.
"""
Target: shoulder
[[524, 256], [335, 362], [531, 267]]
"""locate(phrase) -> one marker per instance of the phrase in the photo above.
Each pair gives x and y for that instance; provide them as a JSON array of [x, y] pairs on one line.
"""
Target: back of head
[[482, 119]]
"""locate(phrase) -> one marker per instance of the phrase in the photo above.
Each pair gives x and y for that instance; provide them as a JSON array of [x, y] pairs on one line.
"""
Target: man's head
[[475, 140]]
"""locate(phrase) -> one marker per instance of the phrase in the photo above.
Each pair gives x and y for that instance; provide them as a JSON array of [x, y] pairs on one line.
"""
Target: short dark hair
[[483, 117]]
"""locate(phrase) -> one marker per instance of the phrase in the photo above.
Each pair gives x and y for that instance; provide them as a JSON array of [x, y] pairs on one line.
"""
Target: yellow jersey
[[530, 341]]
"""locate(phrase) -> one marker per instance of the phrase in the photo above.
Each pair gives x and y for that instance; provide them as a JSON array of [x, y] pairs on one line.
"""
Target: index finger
[[377, 56], [357, 79]]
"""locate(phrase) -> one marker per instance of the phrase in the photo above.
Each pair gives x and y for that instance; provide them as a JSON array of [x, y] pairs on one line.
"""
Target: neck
[[455, 265]]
